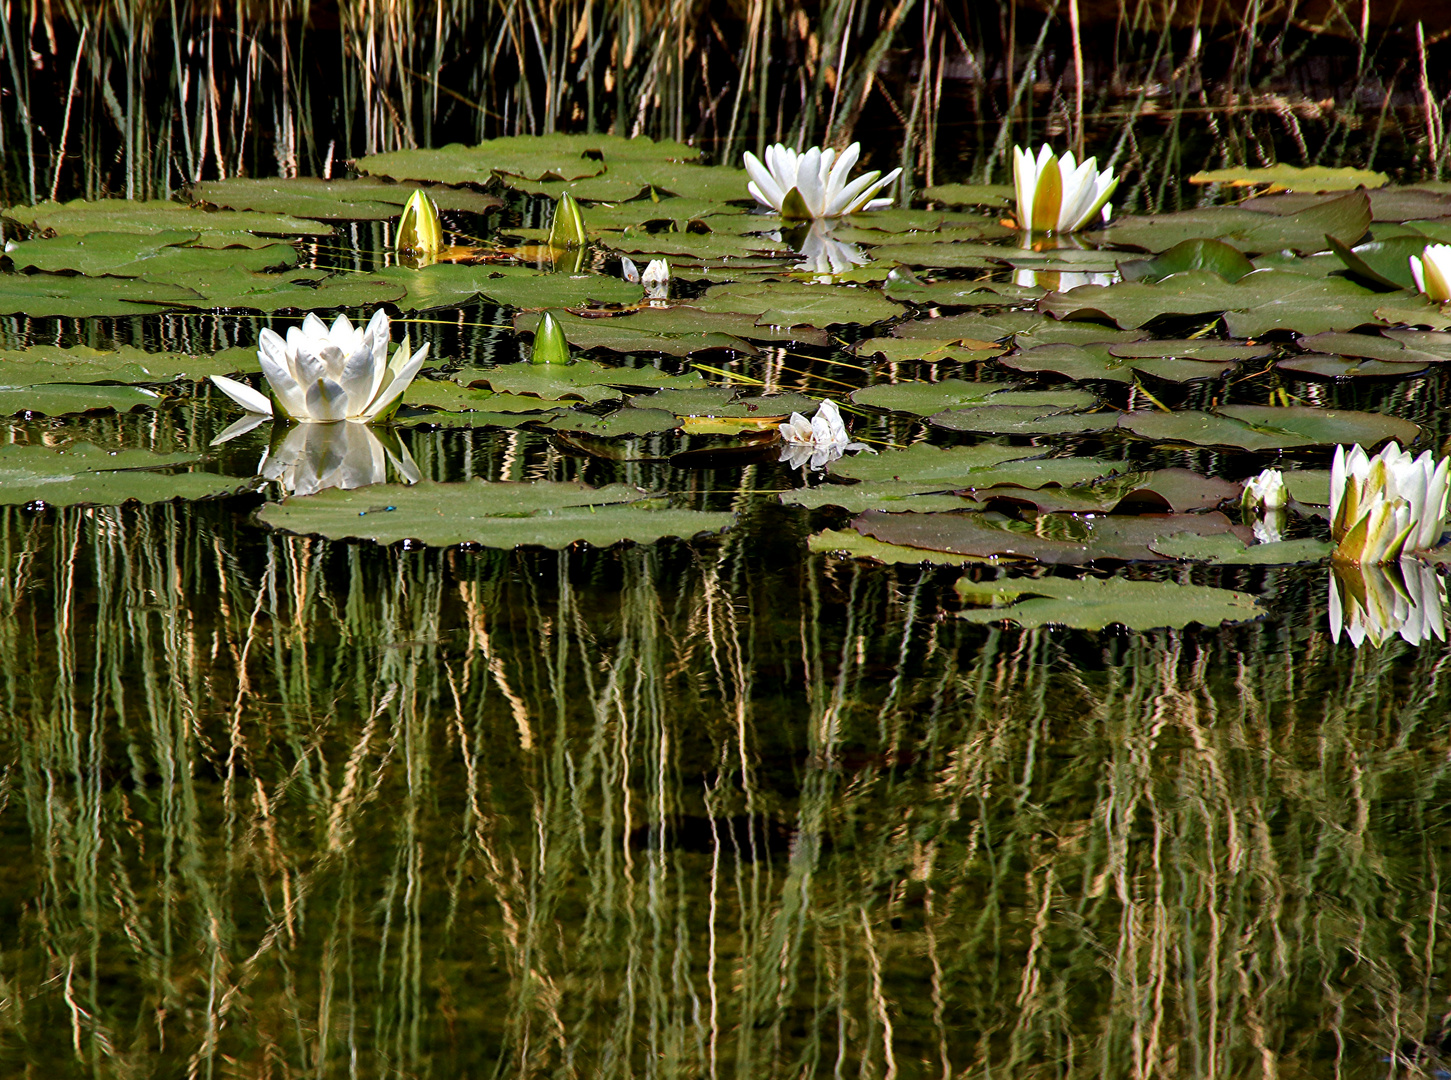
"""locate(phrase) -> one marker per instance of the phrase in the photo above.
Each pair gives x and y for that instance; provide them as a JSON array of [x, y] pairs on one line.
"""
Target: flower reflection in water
[[1374, 603], [1058, 280], [313, 457], [821, 253]]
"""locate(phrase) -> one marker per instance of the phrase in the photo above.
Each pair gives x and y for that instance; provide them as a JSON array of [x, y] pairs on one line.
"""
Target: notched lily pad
[[893, 350], [493, 514], [1023, 420], [40, 295], [1264, 427], [854, 544], [797, 304], [1346, 217], [152, 216], [166, 256], [84, 474], [350, 200], [924, 398], [63, 399], [1095, 603], [621, 422], [123, 364]]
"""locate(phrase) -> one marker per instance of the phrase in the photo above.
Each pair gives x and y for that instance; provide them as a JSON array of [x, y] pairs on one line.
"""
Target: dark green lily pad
[[1101, 361], [886, 495], [446, 285], [493, 514], [1062, 539], [156, 215], [1346, 218], [83, 474], [162, 256], [976, 331], [1095, 603], [927, 350], [1213, 256], [124, 364], [966, 468], [1309, 487], [1264, 427], [532, 157], [1321, 365], [1205, 349], [796, 304], [1396, 204], [40, 295], [576, 380], [298, 290], [626, 421], [724, 402], [408, 417], [958, 254], [854, 544], [451, 397], [1383, 263], [61, 399], [677, 331], [1176, 491], [350, 200], [950, 294], [1229, 549], [1022, 420], [923, 399], [1391, 349]]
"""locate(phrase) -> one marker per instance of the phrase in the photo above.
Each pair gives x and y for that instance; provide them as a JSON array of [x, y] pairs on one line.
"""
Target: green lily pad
[[1346, 218], [697, 246], [1321, 365], [1022, 420], [1312, 306], [965, 468], [1213, 256], [927, 350], [1294, 177], [351, 200], [995, 195], [950, 294], [887, 495], [796, 304], [83, 474], [848, 542], [1383, 263], [724, 402], [493, 514], [1205, 349], [954, 254], [1264, 427], [62, 399], [1308, 487], [576, 380], [923, 399], [162, 256], [975, 331], [1391, 349], [1101, 361], [40, 295], [124, 364], [626, 421], [1061, 539], [1095, 603], [152, 216], [406, 417], [451, 397], [1228, 549], [299, 290], [677, 331], [557, 157], [1176, 491], [670, 214], [452, 285]]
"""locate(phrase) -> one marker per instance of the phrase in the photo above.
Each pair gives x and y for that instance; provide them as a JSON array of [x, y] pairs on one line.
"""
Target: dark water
[[274, 806]]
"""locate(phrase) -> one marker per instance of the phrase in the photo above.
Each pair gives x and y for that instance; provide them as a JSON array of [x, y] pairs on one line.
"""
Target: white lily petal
[[251, 400]]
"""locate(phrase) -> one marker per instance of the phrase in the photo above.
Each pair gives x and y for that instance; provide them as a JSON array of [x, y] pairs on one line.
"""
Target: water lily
[[656, 277], [816, 441], [813, 184], [1432, 271], [1056, 194], [322, 373], [420, 236], [1405, 598], [1387, 505], [312, 457], [1266, 491]]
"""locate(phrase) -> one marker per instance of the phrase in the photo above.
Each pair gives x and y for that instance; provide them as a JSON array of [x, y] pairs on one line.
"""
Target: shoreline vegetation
[[142, 98]]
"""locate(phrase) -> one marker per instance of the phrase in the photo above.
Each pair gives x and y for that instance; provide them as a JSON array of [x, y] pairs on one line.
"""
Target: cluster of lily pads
[[1021, 344]]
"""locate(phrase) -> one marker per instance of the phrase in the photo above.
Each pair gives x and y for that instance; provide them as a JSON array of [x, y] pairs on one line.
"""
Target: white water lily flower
[[1384, 506], [1432, 271], [1375, 603], [1266, 491], [809, 185], [313, 457], [322, 373], [1056, 194], [816, 441], [656, 280]]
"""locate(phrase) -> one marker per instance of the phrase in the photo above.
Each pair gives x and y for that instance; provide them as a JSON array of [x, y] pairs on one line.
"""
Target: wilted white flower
[[804, 186], [1384, 506], [323, 373], [1266, 491], [312, 457], [1375, 603], [817, 441], [1432, 271], [1057, 195]]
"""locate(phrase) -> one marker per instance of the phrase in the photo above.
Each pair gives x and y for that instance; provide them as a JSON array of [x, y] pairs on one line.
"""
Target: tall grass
[[139, 97], [279, 807]]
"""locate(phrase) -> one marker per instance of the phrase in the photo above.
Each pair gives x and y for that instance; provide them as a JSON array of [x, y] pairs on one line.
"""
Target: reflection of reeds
[[659, 811], [140, 97]]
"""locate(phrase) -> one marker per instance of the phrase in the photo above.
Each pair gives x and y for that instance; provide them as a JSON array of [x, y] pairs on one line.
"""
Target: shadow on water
[[278, 807]]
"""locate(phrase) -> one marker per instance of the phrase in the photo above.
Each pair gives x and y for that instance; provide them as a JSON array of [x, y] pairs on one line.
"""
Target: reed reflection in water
[[279, 807]]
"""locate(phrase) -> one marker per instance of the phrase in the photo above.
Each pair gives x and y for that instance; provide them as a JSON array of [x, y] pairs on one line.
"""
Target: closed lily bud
[[419, 232], [550, 346], [567, 231], [1265, 492], [656, 280]]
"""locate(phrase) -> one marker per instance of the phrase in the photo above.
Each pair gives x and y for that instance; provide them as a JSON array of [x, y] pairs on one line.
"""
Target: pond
[[576, 722]]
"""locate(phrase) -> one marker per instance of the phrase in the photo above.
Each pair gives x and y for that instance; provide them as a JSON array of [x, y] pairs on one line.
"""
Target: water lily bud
[[1057, 195], [567, 231], [656, 280], [550, 346], [419, 232], [628, 270], [1432, 271], [1265, 492]]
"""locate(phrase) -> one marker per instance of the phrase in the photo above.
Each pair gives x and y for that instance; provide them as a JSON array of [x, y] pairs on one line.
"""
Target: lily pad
[[677, 331], [156, 215], [1393, 350], [923, 399], [1101, 361], [796, 304], [1294, 177], [62, 399], [950, 294], [493, 514], [1264, 427], [576, 380], [350, 200], [927, 350], [298, 290], [996, 195], [848, 542], [555, 157], [961, 468], [888, 495], [1383, 263], [1063, 539], [451, 397], [1160, 491], [1095, 603], [124, 364], [40, 295], [1213, 256], [626, 421], [452, 285], [725, 402], [84, 474], [1346, 218], [1227, 549], [163, 256], [1023, 420]]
